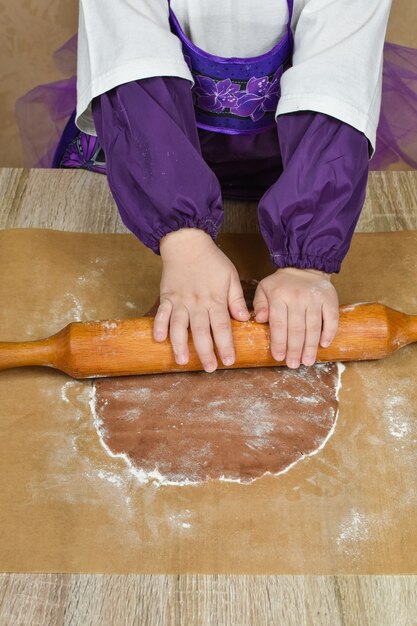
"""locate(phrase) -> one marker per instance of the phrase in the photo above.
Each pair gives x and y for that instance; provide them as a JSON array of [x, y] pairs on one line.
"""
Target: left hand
[[302, 308]]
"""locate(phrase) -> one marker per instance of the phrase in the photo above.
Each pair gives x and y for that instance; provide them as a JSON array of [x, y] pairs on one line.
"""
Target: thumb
[[260, 305], [236, 300]]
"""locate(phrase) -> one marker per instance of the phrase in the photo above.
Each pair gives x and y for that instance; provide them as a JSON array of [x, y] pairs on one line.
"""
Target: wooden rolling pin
[[125, 347]]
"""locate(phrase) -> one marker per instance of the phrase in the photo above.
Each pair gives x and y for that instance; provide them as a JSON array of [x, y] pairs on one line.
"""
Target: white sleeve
[[337, 62], [120, 41]]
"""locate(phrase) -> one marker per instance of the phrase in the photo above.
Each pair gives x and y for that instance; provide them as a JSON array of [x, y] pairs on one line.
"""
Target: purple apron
[[236, 96], [235, 101]]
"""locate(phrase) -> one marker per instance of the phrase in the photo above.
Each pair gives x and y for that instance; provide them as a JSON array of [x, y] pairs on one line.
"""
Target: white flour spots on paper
[[393, 403], [358, 528], [181, 519]]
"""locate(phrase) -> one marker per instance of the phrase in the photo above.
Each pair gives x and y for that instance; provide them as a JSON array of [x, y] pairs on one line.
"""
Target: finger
[[278, 328], [296, 334], [312, 334], [161, 321], [222, 333], [200, 328], [330, 313], [260, 305], [179, 333], [236, 300]]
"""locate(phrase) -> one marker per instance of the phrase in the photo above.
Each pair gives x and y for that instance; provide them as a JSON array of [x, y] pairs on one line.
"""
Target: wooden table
[[57, 199]]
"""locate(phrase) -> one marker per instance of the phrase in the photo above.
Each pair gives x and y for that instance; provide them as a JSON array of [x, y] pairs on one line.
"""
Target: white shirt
[[337, 62]]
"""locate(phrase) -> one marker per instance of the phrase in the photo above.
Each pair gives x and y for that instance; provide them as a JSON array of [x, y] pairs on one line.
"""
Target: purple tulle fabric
[[43, 112], [397, 129]]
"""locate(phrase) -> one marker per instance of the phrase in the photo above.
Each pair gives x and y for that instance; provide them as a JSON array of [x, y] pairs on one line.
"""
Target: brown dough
[[232, 424]]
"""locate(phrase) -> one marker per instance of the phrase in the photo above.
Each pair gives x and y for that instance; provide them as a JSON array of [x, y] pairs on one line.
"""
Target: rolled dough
[[234, 425]]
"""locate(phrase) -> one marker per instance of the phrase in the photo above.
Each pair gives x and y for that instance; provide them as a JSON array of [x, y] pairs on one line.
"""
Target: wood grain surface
[[56, 199], [43, 198], [196, 600]]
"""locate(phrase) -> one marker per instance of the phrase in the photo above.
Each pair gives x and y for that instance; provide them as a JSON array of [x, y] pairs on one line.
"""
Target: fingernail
[[179, 358], [308, 360], [243, 313], [159, 336], [210, 367], [228, 360], [293, 363], [280, 356], [325, 344]]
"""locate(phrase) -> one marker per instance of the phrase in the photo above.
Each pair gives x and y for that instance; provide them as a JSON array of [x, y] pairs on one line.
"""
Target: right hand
[[199, 287]]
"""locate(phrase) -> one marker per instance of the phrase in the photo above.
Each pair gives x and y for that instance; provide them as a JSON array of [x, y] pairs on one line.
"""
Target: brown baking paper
[[67, 506]]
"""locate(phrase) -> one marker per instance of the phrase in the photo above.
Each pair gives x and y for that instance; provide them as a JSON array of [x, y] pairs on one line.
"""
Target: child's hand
[[199, 287], [302, 307]]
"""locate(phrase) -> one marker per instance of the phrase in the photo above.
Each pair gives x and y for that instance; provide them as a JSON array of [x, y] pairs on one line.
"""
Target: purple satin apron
[[235, 101], [232, 95]]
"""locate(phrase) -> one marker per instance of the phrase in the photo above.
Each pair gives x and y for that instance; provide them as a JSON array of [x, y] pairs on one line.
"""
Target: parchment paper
[[67, 506]]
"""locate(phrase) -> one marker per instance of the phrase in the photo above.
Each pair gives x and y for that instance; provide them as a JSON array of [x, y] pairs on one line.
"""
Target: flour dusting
[[396, 415], [108, 325], [141, 476], [181, 519], [351, 307], [64, 389], [359, 528], [254, 418], [354, 528], [395, 406]]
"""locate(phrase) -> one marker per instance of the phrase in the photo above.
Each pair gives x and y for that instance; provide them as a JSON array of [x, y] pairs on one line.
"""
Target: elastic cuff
[[207, 224], [330, 266]]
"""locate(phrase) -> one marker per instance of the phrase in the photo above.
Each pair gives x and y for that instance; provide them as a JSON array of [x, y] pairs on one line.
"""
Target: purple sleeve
[[308, 216], [158, 178]]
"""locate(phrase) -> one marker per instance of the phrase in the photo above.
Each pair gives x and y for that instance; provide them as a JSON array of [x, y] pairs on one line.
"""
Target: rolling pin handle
[[26, 353]]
